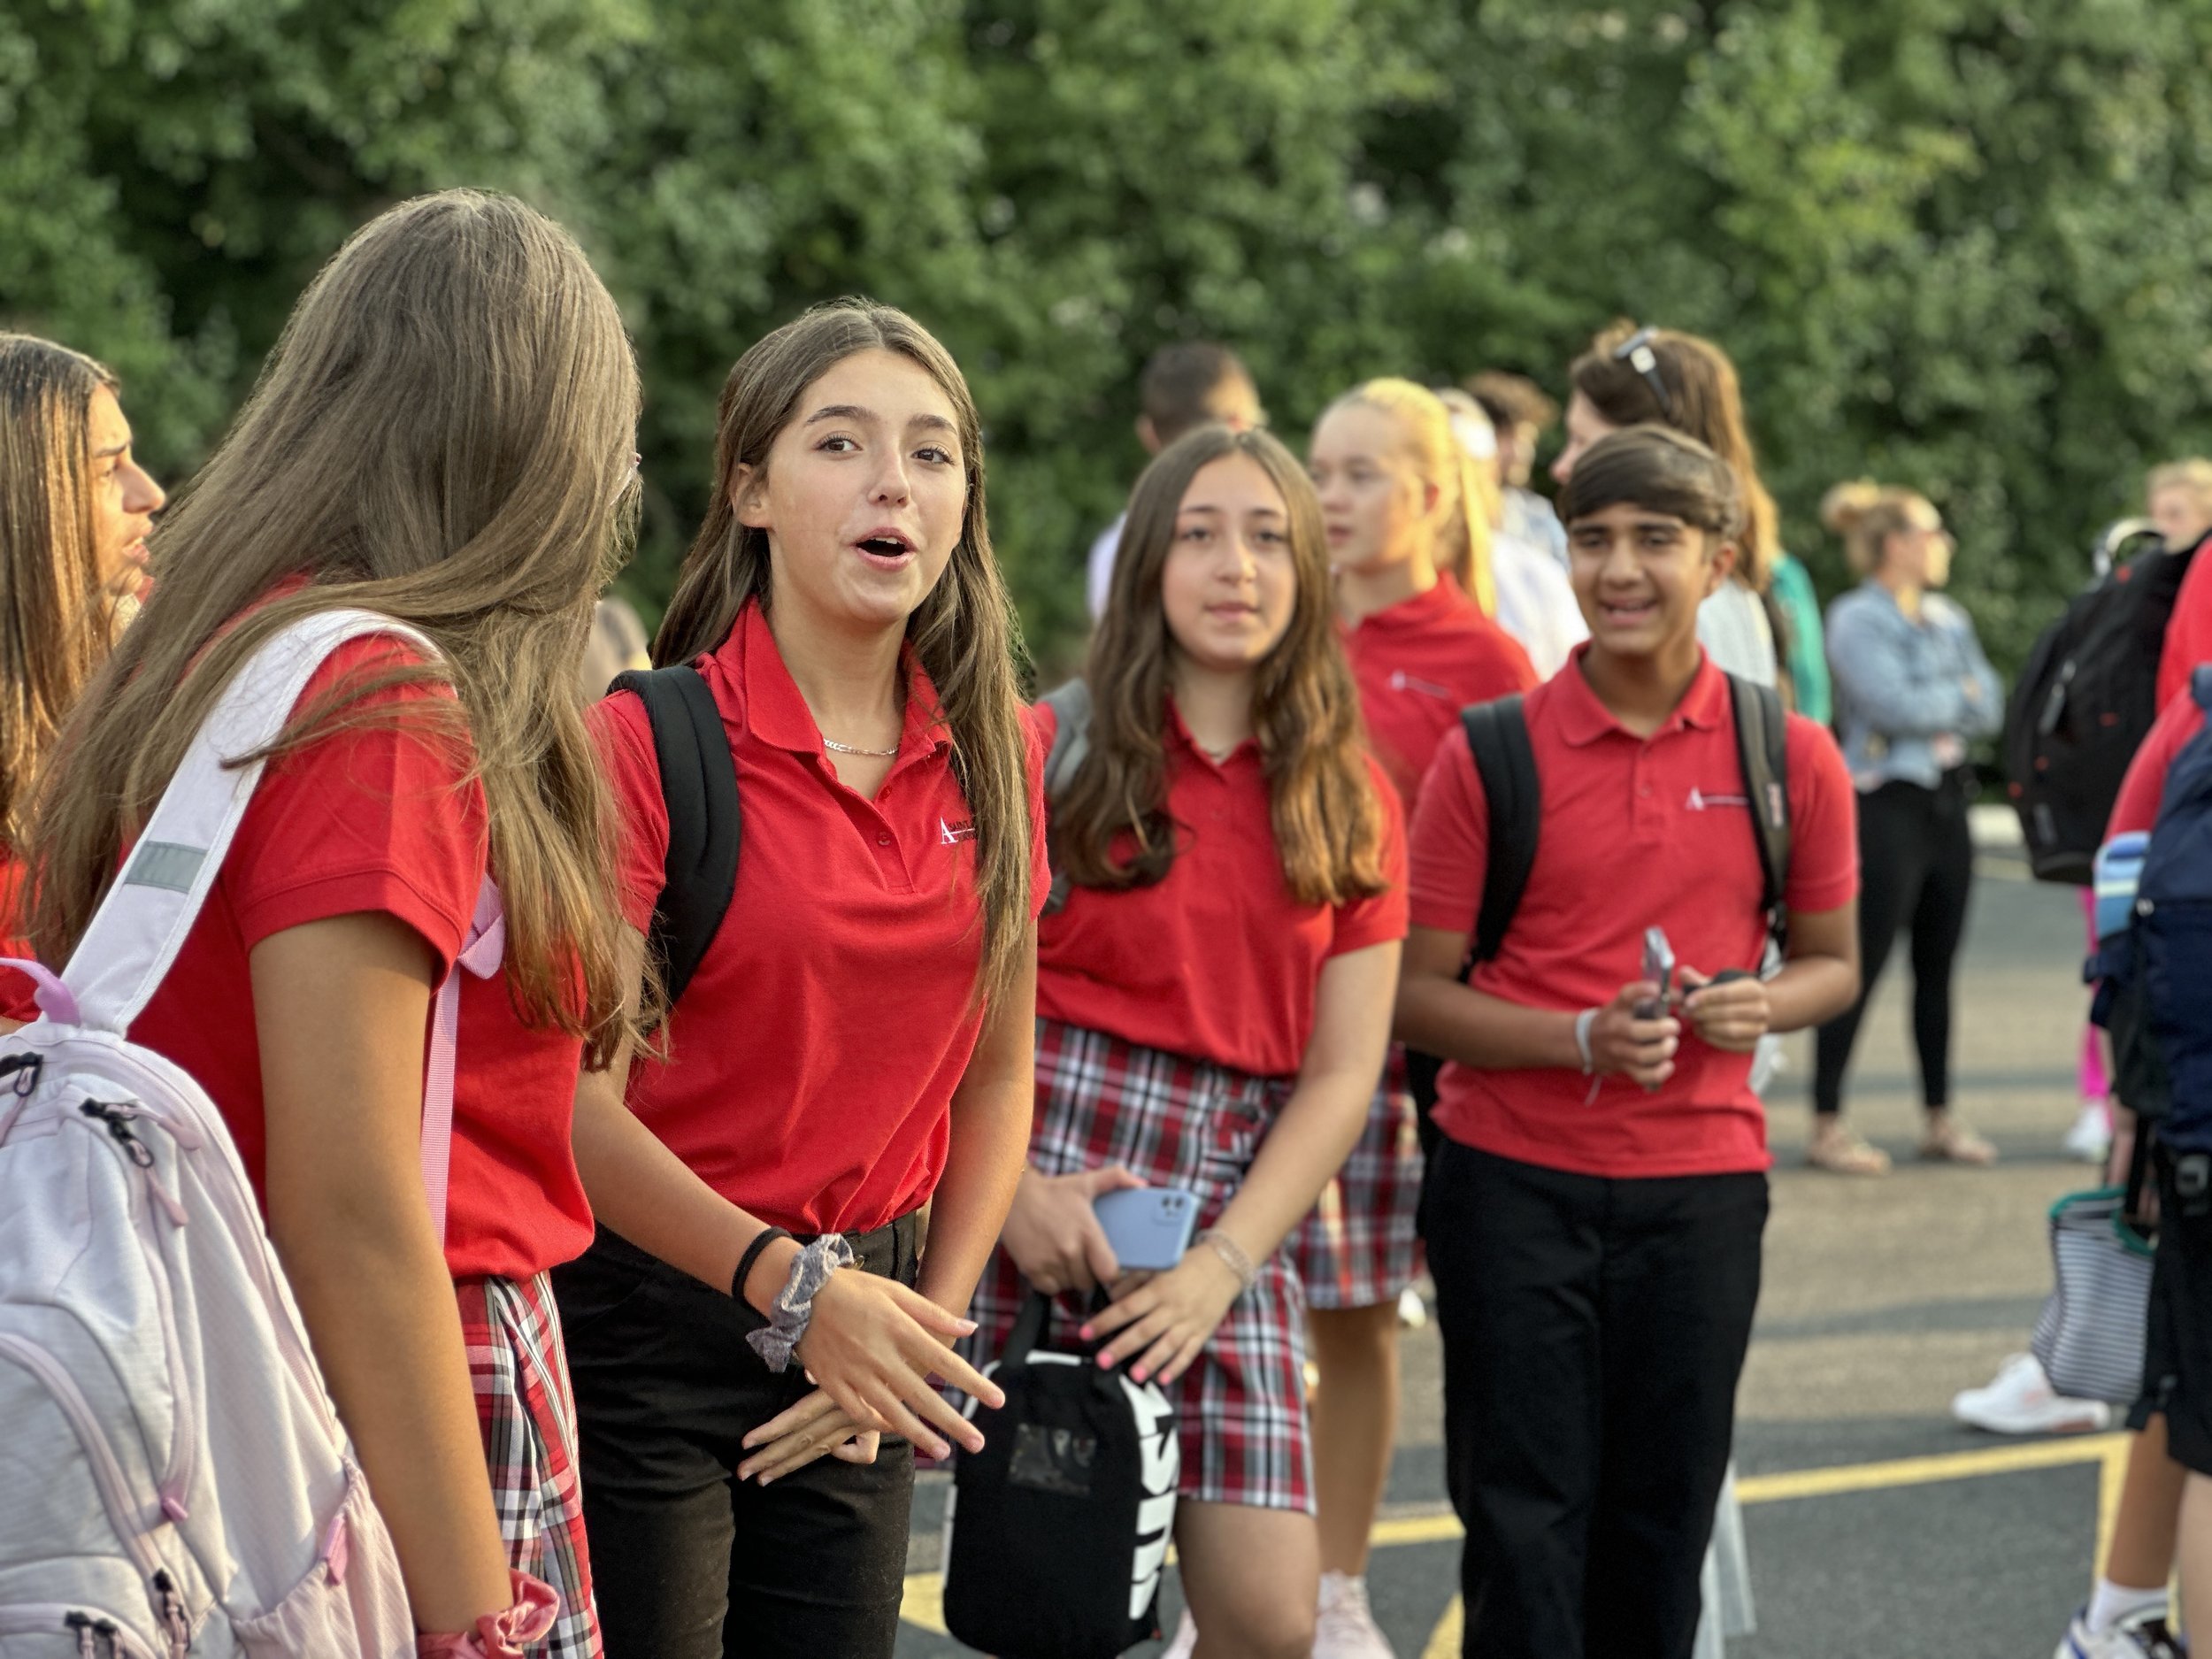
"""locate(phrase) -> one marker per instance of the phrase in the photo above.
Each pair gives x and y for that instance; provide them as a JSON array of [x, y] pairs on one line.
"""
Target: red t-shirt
[[2144, 789], [1220, 961], [2188, 630], [1418, 663], [1635, 833], [812, 1060], [17, 993], [385, 819]]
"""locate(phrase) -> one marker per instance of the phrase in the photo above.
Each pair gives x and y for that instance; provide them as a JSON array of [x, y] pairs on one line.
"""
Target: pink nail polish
[[1137, 1375]]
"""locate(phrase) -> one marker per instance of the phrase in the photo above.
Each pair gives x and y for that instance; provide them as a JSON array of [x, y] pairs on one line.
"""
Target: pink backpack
[[176, 1481]]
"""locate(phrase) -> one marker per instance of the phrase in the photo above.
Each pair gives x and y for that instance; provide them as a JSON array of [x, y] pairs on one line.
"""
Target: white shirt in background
[[1536, 603], [1732, 627], [1098, 579]]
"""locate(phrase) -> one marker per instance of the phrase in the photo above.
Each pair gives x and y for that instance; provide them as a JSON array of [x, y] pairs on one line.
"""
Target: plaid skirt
[[1357, 1248], [527, 1414], [1177, 1122]]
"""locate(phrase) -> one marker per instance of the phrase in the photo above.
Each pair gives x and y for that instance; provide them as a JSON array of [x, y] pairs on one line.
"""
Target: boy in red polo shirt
[[1597, 1203]]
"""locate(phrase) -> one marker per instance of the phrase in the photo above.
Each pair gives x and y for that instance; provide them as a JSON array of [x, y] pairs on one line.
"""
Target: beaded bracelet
[[1233, 1256]]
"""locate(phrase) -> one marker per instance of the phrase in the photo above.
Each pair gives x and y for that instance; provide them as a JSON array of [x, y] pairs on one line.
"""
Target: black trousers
[[689, 1563], [1916, 873], [1594, 1333]]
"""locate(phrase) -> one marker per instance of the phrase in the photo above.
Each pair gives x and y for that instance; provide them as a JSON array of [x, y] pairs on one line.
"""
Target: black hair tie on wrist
[[762, 1239]]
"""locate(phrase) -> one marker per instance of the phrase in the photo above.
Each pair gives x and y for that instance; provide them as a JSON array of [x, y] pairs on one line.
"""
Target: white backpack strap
[[481, 955], [142, 924]]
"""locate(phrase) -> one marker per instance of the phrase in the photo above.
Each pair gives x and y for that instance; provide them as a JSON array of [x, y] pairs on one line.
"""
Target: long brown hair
[[1425, 431], [965, 633], [56, 619], [443, 435], [1705, 400], [1305, 712]]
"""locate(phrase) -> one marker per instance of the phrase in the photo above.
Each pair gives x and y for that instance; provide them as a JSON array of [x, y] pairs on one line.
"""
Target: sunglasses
[[1637, 353]]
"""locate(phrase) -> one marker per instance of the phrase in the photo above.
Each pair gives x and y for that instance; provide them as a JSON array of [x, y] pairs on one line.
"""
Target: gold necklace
[[846, 748]]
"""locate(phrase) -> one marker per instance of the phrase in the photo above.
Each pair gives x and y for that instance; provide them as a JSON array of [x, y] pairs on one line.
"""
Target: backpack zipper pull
[[82, 1622], [25, 1070], [174, 1625], [110, 1633], [118, 1118]]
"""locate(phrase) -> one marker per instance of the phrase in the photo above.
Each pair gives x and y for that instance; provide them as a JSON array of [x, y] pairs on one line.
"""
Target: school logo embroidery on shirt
[[1699, 800], [949, 832], [1400, 680]]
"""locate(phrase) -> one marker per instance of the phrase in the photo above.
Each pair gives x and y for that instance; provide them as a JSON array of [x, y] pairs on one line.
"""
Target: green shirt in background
[[1806, 655]]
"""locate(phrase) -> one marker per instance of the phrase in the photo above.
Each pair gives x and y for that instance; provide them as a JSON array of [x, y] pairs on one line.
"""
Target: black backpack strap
[[1071, 705], [705, 819], [1505, 764], [1029, 1330], [1763, 752]]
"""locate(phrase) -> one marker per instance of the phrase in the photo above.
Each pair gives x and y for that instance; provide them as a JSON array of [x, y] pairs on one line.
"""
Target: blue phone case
[[1148, 1226]]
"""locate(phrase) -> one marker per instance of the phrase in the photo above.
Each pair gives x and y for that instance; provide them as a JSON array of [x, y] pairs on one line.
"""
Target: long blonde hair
[[443, 434], [56, 619], [965, 633], [1305, 711], [1469, 494]]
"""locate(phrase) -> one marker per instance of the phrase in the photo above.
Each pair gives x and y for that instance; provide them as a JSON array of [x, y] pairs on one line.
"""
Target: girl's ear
[[1722, 564], [748, 496]]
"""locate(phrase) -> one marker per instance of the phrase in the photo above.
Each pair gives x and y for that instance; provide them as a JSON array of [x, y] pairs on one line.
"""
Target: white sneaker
[[2089, 1140], [1186, 1642], [2139, 1636], [2020, 1401], [1413, 1313], [1345, 1627]]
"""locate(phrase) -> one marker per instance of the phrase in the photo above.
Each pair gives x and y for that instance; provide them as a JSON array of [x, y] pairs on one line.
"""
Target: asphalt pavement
[[1874, 1524]]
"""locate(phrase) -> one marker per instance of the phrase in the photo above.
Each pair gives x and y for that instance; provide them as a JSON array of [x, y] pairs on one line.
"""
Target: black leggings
[[689, 1561], [1916, 870]]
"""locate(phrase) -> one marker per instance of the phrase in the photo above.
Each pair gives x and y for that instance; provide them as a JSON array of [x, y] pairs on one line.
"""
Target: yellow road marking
[[925, 1601]]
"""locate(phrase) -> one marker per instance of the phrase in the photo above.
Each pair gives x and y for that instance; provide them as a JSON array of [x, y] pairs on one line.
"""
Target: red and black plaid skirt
[[527, 1413], [1358, 1248], [1177, 1122]]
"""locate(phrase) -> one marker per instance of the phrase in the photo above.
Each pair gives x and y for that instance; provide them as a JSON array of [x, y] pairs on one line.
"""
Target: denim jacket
[[1910, 694]]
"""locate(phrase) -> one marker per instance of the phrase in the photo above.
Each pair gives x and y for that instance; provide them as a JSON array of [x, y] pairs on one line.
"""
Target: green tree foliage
[[1952, 242]]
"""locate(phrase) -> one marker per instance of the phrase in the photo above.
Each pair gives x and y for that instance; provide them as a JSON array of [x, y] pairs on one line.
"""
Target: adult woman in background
[[1913, 689], [74, 510]]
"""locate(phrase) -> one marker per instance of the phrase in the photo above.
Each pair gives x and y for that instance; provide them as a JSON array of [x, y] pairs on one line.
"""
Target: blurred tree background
[[1955, 244]]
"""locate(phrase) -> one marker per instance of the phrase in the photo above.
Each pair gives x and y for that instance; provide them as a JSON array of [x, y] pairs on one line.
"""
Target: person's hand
[[1164, 1318], [1640, 1049], [814, 1427], [1052, 1235], [873, 1345], [1730, 1014]]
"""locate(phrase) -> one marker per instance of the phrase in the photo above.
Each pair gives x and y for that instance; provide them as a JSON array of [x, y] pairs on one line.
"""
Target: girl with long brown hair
[[444, 434], [855, 1042], [1214, 998], [1395, 488], [75, 506]]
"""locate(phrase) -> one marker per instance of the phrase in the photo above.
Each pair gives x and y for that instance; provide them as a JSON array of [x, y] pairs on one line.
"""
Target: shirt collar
[[1583, 719], [776, 713], [1441, 600], [1178, 734]]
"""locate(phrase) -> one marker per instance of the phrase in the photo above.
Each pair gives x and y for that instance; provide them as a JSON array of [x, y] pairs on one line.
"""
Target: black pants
[[1915, 870], [1594, 1333], [689, 1563]]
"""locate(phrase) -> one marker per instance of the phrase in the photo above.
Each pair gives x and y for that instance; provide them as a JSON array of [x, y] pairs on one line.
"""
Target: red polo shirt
[[385, 817], [1220, 961], [2144, 789], [1418, 663], [2188, 630], [1636, 832], [811, 1061]]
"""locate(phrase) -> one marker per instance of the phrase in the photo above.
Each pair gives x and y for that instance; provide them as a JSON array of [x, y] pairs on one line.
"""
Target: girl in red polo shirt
[[444, 434], [1214, 999], [854, 1043], [74, 510], [1595, 1208], [1396, 493]]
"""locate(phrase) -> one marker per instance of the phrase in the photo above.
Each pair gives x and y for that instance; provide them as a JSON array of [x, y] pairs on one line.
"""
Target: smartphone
[[1659, 969], [1148, 1226]]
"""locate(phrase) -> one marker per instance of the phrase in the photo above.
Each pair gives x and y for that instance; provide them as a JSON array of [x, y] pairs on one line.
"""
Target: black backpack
[[2086, 699], [1497, 733], [706, 822], [1056, 1531]]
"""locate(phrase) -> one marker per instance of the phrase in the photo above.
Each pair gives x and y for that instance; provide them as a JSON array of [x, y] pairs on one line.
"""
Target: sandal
[[1947, 1141], [1841, 1152]]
